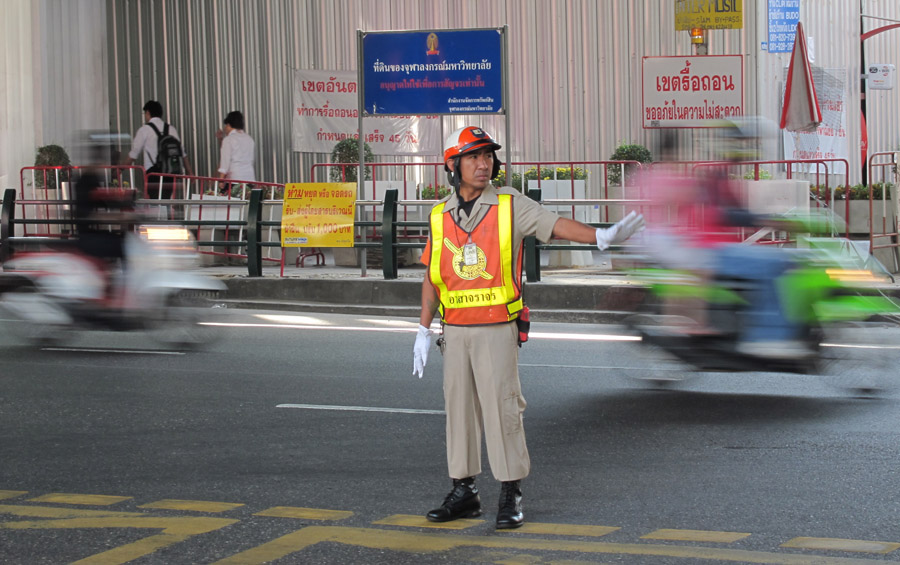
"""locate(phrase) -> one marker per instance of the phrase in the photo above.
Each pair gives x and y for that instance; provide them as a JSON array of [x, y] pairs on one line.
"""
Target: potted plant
[[626, 152], [347, 151], [49, 156], [516, 181], [428, 193]]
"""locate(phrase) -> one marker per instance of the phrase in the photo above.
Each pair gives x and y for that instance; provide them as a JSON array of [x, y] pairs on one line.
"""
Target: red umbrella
[[800, 111]]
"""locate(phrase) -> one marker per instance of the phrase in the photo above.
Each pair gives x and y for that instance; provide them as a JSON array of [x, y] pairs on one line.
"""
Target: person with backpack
[[161, 147]]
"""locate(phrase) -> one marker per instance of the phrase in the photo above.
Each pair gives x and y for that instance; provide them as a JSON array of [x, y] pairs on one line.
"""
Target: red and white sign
[[688, 92], [325, 112]]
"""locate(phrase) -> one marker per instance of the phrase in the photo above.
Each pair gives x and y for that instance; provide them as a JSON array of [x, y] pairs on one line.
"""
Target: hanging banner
[[318, 214], [325, 113], [433, 72], [709, 14], [690, 91]]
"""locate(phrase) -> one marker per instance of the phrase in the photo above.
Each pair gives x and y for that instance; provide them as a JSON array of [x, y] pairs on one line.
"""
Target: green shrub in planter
[[428, 192], [347, 151], [626, 152], [49, 156], [859, 191], [501, 180], [562, 173], [763, 175]]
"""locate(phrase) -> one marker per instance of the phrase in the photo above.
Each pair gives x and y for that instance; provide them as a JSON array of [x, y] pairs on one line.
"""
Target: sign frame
[[416, 70], [708, 105]]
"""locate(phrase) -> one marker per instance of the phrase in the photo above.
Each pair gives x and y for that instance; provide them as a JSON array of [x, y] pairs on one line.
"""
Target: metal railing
[[888, 220], [402, 225]]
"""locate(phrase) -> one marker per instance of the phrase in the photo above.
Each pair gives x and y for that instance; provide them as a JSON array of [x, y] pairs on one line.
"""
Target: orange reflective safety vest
[[481, 286]]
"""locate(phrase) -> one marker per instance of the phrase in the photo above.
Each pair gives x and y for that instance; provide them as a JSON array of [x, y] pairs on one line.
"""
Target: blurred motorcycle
[[847, 322], [51, 294]]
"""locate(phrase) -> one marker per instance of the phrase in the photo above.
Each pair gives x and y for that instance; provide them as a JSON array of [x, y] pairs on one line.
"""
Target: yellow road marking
[[174, 530], [562, 529], [11, 493], [696, 535], [55, 512], [84, 499], [431, 543], [833, 544], [411, 520], [192, 505], [305, 513]]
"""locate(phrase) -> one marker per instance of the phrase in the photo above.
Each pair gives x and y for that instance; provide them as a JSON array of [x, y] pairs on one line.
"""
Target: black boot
[[510, 514], [462, 502]]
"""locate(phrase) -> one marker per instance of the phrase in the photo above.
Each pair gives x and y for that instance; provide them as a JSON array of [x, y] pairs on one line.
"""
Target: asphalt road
[[306, 439]]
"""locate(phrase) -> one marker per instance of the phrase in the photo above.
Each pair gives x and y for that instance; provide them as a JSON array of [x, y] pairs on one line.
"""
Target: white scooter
[[51, 294]]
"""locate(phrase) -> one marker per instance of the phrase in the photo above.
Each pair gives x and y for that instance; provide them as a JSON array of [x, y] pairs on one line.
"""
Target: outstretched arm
[[572, 230]]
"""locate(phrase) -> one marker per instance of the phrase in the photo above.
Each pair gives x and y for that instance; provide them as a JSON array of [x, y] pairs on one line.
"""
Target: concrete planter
[[859, 221]]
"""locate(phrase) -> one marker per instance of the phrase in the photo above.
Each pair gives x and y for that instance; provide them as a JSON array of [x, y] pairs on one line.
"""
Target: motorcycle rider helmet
[[466, 140]]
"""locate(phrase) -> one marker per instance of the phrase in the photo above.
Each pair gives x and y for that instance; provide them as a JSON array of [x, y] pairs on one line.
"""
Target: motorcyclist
[[102, 216], [707, 232]]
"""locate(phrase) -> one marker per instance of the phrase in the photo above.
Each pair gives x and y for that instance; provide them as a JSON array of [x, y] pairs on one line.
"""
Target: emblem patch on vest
[[464, 271]]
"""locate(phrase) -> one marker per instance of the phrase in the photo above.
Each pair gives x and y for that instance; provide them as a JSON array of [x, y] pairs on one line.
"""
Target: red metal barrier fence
[[42, 191], [820, 187], [889, 175], [563, 184]]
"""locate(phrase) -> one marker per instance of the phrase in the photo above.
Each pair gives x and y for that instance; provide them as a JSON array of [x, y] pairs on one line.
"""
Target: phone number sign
[[783, 18]]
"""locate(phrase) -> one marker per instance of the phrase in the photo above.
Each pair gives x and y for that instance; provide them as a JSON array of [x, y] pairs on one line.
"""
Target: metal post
[[254, 230], [389, 234], [532, 254], [504, 56], [7, 215], [360, 175]]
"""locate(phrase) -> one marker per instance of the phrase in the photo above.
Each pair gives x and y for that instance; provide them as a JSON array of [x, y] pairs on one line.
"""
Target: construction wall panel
[[575, 67]]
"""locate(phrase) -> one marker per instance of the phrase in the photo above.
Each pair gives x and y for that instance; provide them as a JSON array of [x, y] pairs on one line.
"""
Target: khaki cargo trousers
[[482, 392]]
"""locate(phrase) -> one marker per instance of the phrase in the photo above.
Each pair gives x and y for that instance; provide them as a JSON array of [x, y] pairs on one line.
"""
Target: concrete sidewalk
[[585, 295], [580, 295]]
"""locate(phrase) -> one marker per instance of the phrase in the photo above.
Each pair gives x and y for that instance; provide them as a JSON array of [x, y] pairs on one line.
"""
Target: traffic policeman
[[474, 279]]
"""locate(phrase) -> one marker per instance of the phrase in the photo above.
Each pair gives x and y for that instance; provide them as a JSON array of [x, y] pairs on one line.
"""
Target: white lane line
[[305, 327], [128, 351], [538, 335], [359, 409], [584, 337], [860, 346], [605, 367]]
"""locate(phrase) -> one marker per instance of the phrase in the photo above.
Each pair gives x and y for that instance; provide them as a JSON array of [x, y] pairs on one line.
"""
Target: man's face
[[146, 116], [475, 168]]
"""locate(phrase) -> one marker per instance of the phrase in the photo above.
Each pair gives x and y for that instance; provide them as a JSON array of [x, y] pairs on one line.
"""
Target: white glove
[[620, 231], [420, 350]]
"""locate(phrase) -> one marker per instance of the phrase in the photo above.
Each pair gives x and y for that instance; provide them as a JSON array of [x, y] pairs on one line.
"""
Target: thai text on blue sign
[[433, 72], [783, 18]]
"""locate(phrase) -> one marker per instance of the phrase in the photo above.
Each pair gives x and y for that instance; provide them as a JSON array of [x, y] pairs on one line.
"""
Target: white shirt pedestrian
[[238, 156]]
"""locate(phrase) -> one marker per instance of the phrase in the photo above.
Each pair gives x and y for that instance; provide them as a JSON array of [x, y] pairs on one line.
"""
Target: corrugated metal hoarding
[[575, 67]]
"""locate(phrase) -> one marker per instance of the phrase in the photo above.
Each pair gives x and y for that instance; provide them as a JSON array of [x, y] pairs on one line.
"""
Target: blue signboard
[[433, 72], [783, 18]]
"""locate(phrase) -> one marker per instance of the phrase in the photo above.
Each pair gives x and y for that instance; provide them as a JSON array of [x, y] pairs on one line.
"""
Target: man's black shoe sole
[[510, 525], [469, 514]]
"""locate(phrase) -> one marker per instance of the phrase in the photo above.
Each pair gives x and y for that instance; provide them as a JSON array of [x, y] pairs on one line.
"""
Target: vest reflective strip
[[506, 295]]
